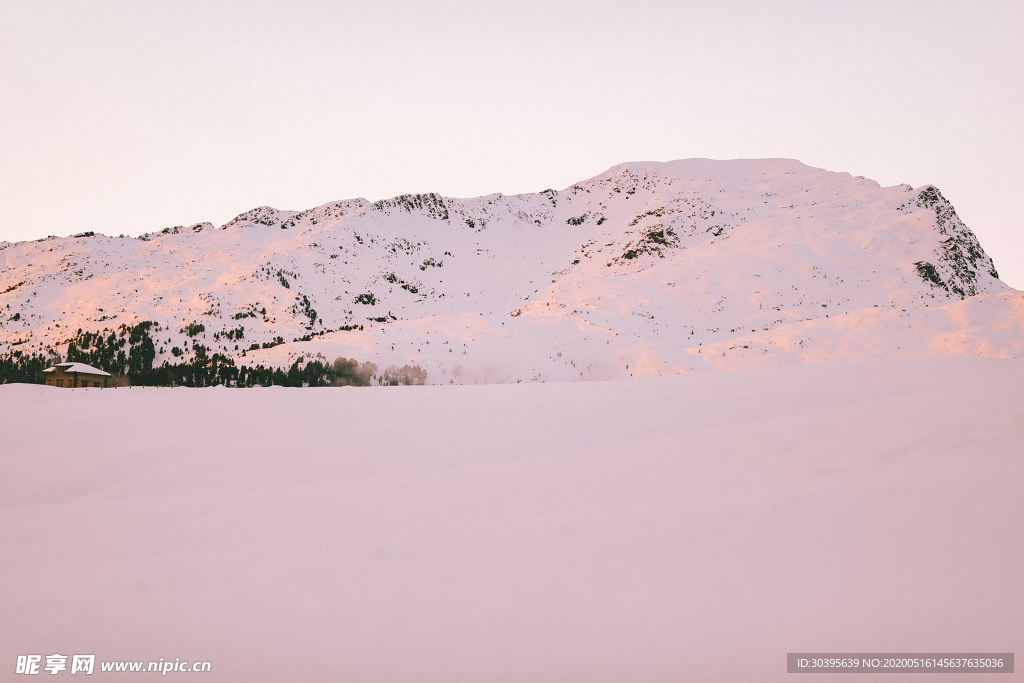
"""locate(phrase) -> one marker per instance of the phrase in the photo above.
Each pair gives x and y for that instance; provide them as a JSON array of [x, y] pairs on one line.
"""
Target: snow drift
[[686, 528]]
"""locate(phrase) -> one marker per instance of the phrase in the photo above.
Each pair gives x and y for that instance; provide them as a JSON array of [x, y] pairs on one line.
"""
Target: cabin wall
[[71, 380]]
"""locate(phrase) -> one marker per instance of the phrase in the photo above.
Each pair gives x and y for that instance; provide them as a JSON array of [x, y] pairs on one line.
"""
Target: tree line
[[129, 352]]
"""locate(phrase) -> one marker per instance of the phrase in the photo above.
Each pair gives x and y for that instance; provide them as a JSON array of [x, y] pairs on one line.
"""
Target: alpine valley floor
[[692, 528]]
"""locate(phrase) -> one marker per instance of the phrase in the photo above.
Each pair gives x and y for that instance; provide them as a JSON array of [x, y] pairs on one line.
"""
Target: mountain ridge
[[647, 268]]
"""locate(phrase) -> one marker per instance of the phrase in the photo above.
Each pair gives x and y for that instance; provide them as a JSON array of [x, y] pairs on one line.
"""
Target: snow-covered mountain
[[646, 269]]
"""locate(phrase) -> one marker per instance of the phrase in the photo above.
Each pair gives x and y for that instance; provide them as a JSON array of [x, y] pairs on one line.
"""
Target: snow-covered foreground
[[687, 528]]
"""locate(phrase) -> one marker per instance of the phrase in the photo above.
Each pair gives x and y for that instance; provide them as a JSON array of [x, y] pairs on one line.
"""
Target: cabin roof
[[78, 367]]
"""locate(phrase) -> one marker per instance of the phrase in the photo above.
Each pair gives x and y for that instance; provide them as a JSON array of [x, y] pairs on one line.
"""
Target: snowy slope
[[676, 529], [649, 268]]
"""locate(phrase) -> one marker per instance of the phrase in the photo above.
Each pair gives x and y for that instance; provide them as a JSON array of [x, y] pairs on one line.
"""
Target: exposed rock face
[[959, 258]]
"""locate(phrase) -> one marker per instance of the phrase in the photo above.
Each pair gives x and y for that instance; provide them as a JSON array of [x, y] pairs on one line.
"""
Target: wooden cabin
[[72, 375]]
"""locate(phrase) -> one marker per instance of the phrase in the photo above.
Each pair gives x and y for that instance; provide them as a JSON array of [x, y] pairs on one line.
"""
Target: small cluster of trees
[[350, 372], [128, 350], [405, 375], [18, 366]]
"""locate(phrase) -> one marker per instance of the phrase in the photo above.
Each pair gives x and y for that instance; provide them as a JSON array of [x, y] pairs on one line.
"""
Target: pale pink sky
[[125, 117]]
